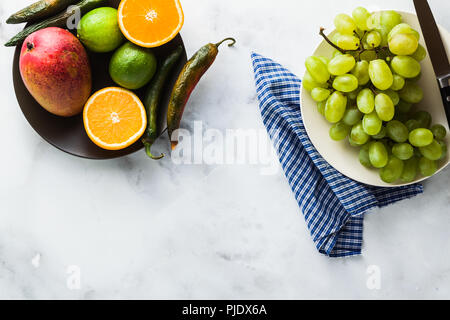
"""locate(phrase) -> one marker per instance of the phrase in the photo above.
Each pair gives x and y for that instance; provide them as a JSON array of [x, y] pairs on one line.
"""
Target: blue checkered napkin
[[332, 204]]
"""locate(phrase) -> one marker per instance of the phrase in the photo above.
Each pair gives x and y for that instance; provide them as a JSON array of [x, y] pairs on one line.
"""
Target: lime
[[132, 67], [99, 30]]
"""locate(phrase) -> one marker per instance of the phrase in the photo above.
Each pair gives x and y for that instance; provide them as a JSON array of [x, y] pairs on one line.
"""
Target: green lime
[[132, 67], [99, 30]]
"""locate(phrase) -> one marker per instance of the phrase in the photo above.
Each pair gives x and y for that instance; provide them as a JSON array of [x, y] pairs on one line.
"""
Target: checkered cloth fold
[[332, 204]]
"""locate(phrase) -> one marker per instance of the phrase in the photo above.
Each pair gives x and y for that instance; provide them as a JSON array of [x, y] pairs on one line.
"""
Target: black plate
[[68, 134]]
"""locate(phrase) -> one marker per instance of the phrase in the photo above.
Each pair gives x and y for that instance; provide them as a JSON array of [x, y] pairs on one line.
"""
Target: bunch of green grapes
[[367, 90]]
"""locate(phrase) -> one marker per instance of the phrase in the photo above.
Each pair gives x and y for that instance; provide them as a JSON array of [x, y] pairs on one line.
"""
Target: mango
[[55, 69]]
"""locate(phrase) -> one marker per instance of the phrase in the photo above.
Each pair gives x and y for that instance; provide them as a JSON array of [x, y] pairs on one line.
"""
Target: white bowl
[[341, 155]]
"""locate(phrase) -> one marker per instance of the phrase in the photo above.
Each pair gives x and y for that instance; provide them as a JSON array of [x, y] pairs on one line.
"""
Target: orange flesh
[[113, 117], [150, 23]]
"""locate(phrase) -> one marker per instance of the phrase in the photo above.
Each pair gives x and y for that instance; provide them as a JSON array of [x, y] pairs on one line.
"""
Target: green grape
[[381, 135], [358, 135], [444, 150], [424, 118], [403, 28], [368, 56], [374, 39], [341, 64], [432, 151], [361, 72], [374, 21], [393, 170], [427, 167], [385, 107], [378, 155], [372, 124], [320, 94], [397, 131], [410, 170], [412, 124], [353, 95], [384, 32], [353, 143], [439, 131], [406, 66], [344, 24], [366, 101], [404, 107], [336, 53], [348, 42], [365, 45], [411, 93], [402, 117], [335, 107], [354, 54], [421, 137], [360, 16], [364, 157], [325, 60], [317, 69], [346, 83], [420, 54], [416, 79], [380, 74], [390, 19], [393, 95], [334, 37], [309, 83], [403, 44], [321, 107], [399, 83], [339, 131], [403, 151], [352, 116]]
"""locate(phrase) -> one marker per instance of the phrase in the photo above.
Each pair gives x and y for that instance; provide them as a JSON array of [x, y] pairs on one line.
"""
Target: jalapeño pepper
[[188, 79], [152, 100]]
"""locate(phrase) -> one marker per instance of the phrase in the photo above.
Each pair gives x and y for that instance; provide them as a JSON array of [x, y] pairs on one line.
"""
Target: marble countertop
[[132, 228]]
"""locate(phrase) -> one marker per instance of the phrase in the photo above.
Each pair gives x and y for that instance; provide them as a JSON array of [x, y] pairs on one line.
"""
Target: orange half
[[114, 118], [150, 23]]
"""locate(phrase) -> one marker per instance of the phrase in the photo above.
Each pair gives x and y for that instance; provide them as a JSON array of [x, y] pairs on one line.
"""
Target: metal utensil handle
[[444, 84]]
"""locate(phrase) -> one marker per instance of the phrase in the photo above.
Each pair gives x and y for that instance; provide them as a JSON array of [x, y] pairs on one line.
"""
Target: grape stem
[[360, 37], [330, 42], [359, 51], [372, 88]]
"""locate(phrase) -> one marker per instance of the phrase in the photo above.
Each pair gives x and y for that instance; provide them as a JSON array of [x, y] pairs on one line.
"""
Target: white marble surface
[[143, 229]]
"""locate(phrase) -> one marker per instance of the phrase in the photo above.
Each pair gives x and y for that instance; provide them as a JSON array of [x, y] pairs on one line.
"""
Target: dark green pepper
[[152, 100], [188, 79], [39, 10], [60, 20]]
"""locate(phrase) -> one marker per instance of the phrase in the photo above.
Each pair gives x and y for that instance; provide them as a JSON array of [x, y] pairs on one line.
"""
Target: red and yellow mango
[[55, 69]]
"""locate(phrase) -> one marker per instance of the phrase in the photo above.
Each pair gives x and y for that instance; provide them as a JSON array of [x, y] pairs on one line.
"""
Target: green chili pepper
[[152, 100], [39, 10], [60, 20], [188, 79]]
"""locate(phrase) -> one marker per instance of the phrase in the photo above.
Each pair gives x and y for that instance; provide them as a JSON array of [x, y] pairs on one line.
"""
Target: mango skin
[[56, 71]]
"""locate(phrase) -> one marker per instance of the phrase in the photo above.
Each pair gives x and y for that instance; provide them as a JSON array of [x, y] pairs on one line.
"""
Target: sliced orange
[[114, 118], [150, 23]]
